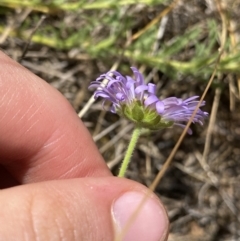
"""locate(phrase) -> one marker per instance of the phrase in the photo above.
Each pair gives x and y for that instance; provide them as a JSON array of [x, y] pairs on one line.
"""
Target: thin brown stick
[[172, 154]]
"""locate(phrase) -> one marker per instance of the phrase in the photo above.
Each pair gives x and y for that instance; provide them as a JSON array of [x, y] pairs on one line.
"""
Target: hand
[[55, 184]]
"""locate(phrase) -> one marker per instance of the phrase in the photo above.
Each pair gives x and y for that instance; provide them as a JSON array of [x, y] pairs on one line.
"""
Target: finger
[[80, 209], [41, 138]]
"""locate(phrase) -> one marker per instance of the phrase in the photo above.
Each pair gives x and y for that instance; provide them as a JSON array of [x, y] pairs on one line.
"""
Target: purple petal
[[130, 79], [170, 101], [190, 99], [189, 131], [160, 107], [114, 72], [120, 96], [131, 90], [152, 88], [111, 82], [138, 76], [140, 89], [150, 100], [93, 86]]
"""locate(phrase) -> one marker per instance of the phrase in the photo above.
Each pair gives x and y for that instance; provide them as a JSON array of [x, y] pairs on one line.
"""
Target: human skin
[[54, 183]]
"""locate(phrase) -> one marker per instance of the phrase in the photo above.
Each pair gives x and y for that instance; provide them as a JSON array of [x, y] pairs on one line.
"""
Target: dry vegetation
[[175, 45]]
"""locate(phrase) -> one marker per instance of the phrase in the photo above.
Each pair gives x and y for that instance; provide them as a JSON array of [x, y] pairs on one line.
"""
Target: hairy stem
[[129, 152]]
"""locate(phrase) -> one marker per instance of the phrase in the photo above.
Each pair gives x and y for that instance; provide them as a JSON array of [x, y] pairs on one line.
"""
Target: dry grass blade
[[115, 139], [191, 173], [216, 183], [211, 124], [156, 20], [107, 130]]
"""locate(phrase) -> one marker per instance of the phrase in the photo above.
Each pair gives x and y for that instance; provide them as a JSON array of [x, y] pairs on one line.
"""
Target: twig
[[43, 17], [106, 131], [116, 138], [172, 154]]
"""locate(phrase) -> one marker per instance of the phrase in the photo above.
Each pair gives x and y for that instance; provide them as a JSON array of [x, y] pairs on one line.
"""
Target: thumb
[[80, 209]]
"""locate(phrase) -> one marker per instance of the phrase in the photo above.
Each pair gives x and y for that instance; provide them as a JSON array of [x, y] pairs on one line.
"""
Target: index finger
[[41, 138]]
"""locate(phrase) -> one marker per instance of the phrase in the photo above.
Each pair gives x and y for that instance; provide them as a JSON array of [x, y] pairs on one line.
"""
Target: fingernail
[[150, 223]]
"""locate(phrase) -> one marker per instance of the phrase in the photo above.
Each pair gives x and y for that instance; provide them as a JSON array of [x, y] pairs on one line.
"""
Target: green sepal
[[143, 116], [137, 112]]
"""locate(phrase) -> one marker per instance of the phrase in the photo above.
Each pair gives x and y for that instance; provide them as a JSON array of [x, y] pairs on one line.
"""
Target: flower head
[[137, 101]]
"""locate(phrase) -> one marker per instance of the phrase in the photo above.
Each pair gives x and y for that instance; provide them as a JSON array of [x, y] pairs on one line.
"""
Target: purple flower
[[138, 102]]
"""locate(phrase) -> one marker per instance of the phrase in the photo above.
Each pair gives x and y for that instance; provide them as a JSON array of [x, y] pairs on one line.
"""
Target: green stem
[[130, 149]]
